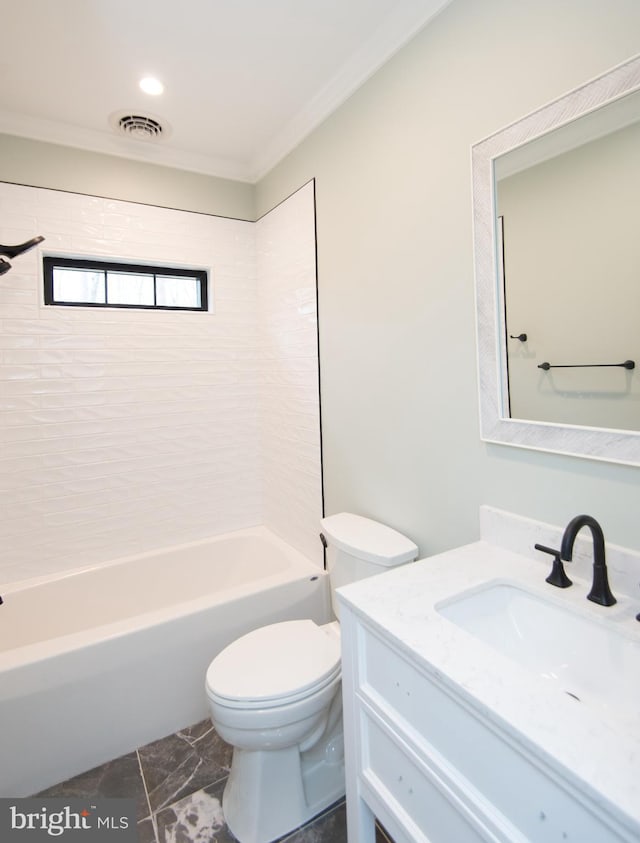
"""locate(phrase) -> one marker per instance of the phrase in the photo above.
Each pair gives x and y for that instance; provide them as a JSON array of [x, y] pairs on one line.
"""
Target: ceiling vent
[[133, 124]]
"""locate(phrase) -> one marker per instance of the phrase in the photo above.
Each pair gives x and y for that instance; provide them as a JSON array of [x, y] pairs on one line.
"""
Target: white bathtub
[[99, 662]]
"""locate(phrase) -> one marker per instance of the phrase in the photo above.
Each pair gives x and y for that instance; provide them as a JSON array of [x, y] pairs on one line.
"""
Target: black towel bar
[[628, 364]]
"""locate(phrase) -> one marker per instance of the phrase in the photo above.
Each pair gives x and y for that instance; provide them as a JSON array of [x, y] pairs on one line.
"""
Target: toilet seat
[[274, 665]]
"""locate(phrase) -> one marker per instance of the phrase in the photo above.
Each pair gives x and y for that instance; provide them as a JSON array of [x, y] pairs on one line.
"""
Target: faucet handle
[[557, 576]]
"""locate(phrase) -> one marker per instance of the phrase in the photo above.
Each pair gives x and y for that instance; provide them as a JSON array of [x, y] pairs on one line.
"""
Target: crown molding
[[148, 152]]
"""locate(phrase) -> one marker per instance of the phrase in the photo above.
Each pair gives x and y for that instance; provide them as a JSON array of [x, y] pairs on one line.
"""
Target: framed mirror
[[556, 204]]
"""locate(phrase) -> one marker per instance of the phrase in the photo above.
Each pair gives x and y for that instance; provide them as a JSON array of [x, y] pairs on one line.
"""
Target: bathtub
[[99, 662]]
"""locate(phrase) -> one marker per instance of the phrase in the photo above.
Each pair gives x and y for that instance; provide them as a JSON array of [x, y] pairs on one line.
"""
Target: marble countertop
[[598, 754]]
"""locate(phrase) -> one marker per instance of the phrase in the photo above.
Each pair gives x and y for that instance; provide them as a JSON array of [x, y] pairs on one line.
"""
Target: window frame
[[50, 262]]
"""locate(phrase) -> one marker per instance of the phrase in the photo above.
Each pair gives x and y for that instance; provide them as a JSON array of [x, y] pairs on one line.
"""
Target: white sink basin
[[591, 661]]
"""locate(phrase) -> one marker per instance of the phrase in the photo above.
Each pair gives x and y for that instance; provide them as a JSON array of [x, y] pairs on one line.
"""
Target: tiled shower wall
[[292, 497], [124, 430]]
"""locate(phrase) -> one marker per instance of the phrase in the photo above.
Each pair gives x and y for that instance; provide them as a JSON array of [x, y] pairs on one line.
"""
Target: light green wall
[[38, 164], [395, 265]]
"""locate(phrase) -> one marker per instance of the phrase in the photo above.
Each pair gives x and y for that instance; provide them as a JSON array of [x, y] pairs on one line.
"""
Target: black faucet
[[600, 591]]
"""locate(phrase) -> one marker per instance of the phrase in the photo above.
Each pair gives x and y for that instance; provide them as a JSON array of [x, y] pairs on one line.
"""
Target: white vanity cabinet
[[436, 767]]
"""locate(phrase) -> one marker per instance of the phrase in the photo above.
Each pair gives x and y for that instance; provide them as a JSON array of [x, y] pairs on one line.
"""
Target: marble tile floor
[[178, 783]]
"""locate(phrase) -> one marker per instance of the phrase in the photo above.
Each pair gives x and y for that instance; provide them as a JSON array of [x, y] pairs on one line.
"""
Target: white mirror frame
[[620, 446]]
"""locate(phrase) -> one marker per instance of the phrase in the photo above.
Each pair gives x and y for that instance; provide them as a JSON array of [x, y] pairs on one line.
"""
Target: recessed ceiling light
[[151, 86]]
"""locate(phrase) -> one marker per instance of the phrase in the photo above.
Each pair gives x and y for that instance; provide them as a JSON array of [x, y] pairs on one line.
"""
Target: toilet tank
[[358, 547]]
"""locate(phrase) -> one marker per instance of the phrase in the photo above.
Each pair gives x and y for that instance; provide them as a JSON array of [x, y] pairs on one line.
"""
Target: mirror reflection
[[567, 208]]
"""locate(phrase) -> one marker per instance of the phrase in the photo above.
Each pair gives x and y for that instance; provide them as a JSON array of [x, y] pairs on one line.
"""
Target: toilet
[[275, 696]]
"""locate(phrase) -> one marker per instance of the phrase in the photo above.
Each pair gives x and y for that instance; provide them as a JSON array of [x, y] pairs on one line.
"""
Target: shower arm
[[14, 251]]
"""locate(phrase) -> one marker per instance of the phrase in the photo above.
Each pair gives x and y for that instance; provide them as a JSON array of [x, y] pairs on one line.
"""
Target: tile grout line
[[168, 801], [146, 794], [383, 833]]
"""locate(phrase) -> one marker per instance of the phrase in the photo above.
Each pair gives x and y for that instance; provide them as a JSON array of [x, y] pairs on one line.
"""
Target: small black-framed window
[[77, 282]]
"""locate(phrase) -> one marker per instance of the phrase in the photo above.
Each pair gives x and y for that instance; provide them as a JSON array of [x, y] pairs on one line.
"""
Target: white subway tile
[[129, 429]]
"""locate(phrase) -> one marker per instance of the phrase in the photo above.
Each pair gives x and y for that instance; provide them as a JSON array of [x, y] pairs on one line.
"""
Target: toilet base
[[271, 793]]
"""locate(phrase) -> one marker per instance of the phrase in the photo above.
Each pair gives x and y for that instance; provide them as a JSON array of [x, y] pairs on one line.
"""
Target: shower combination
[[14, 251]]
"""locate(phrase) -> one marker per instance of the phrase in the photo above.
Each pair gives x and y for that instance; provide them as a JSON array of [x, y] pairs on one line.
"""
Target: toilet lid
[[274, 664]]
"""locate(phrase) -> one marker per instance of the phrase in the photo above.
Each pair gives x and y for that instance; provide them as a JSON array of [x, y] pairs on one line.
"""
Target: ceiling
[[245, 80]]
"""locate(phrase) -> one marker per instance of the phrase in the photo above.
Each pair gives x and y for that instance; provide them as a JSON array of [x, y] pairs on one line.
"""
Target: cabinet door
[[417, 796]]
